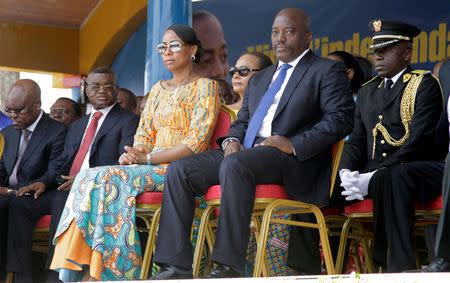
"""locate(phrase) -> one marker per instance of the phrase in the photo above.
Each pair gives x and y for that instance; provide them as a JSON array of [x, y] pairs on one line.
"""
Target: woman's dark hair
[[188, 35], [366, 67], [350, 63], [263, 60]]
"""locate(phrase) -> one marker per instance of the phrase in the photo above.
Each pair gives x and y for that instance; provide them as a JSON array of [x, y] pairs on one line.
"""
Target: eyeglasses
[[175, 46], [96, 88], [242, 71], [22, 111]]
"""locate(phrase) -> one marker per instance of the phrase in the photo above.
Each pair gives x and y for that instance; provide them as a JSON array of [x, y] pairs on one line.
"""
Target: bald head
[[213, 61], [24, 103], [438, 66], [291, 34]]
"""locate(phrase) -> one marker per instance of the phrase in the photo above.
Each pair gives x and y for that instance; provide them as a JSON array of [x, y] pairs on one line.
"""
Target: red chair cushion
[[367, 206], [150, 198], [262, 191], [332, 211], [360, 207], [221, 129], [429, 205], [43, 222]]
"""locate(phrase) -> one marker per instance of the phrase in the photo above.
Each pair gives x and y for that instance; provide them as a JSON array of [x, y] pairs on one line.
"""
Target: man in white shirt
[[395, 120], [292, 114], [97, 139]]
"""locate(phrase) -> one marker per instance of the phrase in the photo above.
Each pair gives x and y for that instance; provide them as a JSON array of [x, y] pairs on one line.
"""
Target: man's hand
[[38, 188], [232, 147], [278, 142], [3, 190], [66, 186]]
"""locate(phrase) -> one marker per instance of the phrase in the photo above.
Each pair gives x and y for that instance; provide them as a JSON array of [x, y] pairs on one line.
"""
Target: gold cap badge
[[377, 25]]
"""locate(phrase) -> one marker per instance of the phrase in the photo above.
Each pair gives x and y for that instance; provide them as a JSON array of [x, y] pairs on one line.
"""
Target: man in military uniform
[[387, 157]]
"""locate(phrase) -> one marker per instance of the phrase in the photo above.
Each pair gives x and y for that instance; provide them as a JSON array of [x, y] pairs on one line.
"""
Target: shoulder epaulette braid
[[421, 72], [406, 113], [369, 80]]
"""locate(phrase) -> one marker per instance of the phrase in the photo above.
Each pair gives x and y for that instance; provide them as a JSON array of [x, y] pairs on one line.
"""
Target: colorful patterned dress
[[97, 227]]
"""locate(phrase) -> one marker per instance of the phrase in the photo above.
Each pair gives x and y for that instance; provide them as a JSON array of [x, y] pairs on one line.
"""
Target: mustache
[[280, 44]]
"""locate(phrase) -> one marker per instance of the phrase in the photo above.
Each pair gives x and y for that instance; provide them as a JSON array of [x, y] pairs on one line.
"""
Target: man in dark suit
[[28, 171], [291, 116], [113, 131], [441, 262], [388, 156]]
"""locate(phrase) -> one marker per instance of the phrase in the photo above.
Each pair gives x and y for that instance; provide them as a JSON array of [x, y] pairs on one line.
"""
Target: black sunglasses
[[242, 71]]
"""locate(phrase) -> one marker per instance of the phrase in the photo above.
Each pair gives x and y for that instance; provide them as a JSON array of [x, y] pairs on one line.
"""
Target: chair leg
[[366, 247], [262, 240], [9, 277], [257, 227], [146, 261], [343, 245], [202, 232], [328, 257]]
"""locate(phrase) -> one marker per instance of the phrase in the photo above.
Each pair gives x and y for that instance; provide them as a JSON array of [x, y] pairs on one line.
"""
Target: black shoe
[[439, 265], [168, 272], [223, 271]]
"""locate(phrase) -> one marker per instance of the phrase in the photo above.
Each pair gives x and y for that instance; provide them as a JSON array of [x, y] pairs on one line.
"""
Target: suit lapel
[[36, 139], [298, 73], [110, 120], [10, 156]]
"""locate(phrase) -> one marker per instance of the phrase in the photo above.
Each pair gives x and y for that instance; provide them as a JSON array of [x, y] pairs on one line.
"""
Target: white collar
[[395, 78], [293, 62], [104, 111], [33, 126]]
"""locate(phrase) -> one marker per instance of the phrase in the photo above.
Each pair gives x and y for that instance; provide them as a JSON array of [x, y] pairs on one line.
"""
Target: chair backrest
[[226, 117], [335, 159], [2, 144]]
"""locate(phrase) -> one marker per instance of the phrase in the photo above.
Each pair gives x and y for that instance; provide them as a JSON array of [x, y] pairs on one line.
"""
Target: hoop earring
[[193, 58]]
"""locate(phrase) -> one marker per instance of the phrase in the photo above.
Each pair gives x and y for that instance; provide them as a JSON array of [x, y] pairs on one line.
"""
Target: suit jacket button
[[382, 142], [384, 154]]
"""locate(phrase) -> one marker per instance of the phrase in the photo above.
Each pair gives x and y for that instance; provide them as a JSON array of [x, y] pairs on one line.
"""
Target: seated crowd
[[85, 165]]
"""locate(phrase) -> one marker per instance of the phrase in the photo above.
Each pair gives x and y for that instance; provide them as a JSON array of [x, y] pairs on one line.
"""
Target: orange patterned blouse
[[187, 115]]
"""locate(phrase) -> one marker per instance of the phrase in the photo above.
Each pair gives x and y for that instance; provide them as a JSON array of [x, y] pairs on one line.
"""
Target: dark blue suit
[[315, 111], [40, 163], [116, 131]]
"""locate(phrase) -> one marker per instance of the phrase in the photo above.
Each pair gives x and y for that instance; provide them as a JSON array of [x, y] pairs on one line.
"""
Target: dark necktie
[[387, 87], [263, 107], [23, 145], [84, 147]]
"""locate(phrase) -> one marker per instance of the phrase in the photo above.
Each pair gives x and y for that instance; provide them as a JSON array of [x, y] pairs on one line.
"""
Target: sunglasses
[[242, 71], [175, 46]]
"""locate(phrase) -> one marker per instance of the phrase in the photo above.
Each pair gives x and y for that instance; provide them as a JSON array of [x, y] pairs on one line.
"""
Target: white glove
[[348, 178], [358, 189]]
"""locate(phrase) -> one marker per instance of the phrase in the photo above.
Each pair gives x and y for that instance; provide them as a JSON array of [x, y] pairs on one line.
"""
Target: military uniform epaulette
[[421, 72], [369, 81]]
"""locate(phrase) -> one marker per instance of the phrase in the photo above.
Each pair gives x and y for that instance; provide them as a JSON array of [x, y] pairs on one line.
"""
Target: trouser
[[23, 213], [394, 191], [443, 231], [238, 174]]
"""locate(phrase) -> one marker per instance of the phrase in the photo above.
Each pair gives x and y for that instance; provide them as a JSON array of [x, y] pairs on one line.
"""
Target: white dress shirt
[[105, 112], [265, 129]]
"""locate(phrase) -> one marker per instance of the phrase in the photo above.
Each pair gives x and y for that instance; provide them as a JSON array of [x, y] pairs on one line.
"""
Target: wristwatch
[[149, 159], [227, 141], [10, 191]]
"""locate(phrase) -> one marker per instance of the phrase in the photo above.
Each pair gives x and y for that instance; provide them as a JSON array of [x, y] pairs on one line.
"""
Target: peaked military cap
[[388, 32]]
